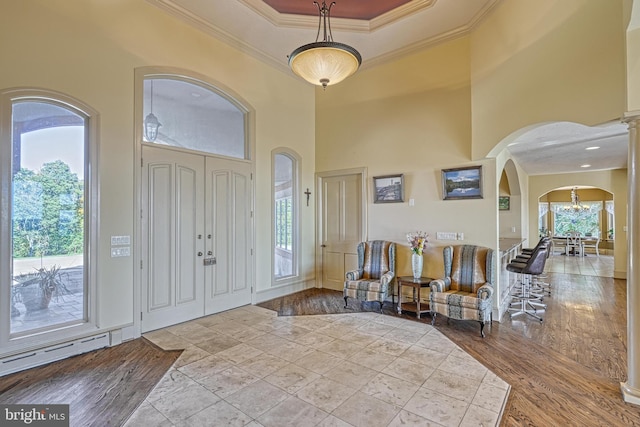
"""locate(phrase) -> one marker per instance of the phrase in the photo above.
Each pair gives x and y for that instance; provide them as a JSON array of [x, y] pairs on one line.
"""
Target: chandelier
[[576, 206], [151, 122], [324, 62]]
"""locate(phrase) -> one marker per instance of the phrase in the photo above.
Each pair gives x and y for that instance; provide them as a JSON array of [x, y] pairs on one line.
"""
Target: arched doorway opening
[[510, 203], [581, 221]]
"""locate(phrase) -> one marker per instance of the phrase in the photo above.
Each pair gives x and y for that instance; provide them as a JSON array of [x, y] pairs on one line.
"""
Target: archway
[[510, 224], [589, 212]]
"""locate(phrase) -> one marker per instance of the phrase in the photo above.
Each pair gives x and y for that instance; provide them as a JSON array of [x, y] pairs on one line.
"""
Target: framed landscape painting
[[462, 183], [504, 203], [388, 189]]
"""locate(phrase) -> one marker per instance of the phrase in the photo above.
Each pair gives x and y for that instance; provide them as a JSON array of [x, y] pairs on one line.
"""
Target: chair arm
[[440, 285], [485, 291], [354, 274], [387, 277]]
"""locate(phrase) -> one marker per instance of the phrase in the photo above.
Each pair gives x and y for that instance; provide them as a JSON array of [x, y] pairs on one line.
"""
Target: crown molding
[[192, 19], [352, 25], [296, 21]]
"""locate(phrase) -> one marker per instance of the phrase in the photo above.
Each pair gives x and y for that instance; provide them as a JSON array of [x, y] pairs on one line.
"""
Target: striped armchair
[[376, 271], [466, 291]]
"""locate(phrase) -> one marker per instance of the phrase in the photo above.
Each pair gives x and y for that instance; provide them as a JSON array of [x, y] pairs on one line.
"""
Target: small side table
[[416, 284]]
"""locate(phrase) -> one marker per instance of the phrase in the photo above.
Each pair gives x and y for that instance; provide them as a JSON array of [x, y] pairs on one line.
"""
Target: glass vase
[[416, 265]]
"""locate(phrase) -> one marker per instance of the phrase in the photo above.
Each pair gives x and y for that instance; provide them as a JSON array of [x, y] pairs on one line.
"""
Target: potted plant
[[37, 289]]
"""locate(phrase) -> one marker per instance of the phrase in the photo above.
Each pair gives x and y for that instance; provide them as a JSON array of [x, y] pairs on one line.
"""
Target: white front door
[[173, 227], [196, 234], [342, 227], [228, 232]]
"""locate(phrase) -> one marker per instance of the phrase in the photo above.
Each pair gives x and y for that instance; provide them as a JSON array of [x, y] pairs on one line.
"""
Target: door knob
[[199, 253], [209, 253]]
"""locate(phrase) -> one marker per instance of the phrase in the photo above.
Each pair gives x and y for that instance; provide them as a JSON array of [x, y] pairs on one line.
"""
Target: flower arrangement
[[418, 241]]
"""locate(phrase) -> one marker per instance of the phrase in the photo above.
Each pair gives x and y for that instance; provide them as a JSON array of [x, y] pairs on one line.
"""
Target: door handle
[[199, 253]]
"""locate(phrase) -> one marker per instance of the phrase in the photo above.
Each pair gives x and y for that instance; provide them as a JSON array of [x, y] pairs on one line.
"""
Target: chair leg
[[345, 302], [433, 318], [380, 306], [482, 329]]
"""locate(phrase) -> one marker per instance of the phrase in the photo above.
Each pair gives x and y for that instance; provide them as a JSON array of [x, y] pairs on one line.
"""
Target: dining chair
[[574, 243], [593, 242]]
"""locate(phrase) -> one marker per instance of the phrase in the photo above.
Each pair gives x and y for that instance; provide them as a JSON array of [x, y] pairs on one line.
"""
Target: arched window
[[187, 113], [48, 182], [285, 214]]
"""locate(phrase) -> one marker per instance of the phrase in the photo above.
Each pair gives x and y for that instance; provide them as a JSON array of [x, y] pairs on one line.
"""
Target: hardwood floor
[[565, 370], [102, 387]]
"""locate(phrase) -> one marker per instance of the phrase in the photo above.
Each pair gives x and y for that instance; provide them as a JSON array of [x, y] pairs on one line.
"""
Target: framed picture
[[388, 189], [504, 203], [462, 183]]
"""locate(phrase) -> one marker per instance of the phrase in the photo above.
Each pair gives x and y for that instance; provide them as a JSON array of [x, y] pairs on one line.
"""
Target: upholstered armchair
[[375, 273], [466, 291]]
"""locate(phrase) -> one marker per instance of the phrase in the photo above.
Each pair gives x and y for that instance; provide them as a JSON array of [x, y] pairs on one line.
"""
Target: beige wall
[[411, 116], [527, 63], [632, 18], [542, 61], [89, 49], [614, 181]]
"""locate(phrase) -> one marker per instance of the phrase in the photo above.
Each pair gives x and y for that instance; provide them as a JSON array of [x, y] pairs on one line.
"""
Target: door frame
[[140, 74], [320, 177]]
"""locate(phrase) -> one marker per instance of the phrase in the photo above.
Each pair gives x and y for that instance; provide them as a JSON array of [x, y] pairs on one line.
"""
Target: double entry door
[[196, 236]]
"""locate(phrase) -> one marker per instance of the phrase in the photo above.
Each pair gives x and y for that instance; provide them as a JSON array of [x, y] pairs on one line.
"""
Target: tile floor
[[248, 367], [590, 265]]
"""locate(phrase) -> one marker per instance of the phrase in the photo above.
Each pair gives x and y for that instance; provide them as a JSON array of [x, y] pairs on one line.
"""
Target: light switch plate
[[120, 240], [441, 235]]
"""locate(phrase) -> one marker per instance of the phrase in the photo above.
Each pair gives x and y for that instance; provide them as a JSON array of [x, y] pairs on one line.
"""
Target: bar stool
[[538, 286], [528, 302]]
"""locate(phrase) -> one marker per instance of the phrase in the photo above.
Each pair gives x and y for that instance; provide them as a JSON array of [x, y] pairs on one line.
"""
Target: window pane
[[283, 216], [48, 240], [191, 116], [568, 218]]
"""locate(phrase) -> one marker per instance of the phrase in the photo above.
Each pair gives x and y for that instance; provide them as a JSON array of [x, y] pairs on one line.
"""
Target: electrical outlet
[[120, 252]]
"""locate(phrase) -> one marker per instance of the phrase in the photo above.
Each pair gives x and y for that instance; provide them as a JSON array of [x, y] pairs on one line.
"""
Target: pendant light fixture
[[576, 205], [151, 123], [325, 62]]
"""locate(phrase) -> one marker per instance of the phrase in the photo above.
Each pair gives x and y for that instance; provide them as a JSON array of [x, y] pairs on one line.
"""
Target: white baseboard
[[31, 359], [630, 394], [280, 291]]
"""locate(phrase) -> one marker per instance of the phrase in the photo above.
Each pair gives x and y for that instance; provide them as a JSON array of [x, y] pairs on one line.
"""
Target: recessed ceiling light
[[585, 166], [592, 148]]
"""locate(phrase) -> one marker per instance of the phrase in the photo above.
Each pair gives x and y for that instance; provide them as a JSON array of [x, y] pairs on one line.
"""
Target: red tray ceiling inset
[[353, 9]]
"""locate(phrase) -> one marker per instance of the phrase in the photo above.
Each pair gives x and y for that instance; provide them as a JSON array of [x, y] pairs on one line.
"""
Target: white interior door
[[173, 194], [342, 228], [228, 230]]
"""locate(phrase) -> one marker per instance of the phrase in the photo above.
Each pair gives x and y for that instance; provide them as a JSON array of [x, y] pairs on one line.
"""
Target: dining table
[[572, 247]]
